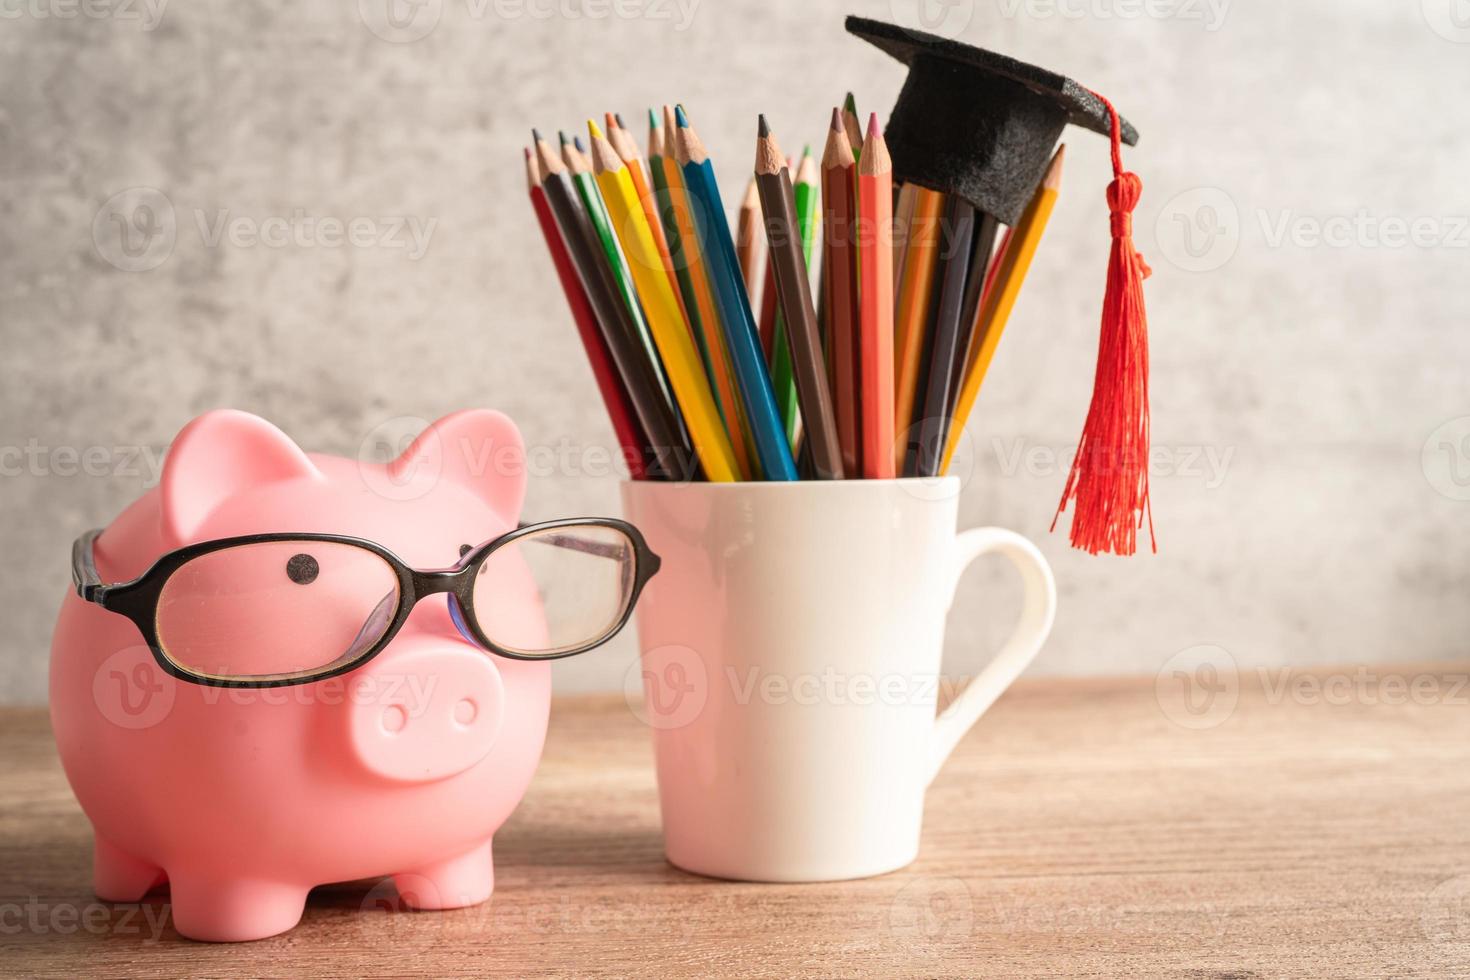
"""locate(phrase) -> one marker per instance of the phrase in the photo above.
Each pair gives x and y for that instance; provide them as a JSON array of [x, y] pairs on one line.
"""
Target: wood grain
[[1080, 830]]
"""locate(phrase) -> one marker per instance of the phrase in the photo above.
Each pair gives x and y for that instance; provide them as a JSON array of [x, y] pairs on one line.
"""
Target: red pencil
[[875, 249], [619, 407]]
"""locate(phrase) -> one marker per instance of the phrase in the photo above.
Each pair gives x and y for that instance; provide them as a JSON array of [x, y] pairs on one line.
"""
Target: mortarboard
[[975, 123], [981, 125]]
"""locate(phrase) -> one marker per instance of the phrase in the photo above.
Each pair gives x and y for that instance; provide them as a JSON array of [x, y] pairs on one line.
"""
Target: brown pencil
[[793, 285], [839, 289]]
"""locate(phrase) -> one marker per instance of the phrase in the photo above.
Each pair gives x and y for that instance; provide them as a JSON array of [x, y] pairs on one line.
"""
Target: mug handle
[[1037, 612]]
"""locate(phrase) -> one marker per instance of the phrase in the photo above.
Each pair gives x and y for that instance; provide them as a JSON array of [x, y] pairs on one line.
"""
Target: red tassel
[[1109, 478]]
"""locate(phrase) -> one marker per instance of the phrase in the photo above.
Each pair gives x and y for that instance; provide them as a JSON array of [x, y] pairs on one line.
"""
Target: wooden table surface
[[1085, 828]]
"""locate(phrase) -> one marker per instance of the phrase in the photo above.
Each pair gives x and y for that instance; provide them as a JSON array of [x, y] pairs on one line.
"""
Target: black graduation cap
[[976, 123]]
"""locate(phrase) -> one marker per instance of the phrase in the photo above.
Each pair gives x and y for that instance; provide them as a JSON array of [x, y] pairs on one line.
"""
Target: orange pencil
[[915, 299], [875, 250]]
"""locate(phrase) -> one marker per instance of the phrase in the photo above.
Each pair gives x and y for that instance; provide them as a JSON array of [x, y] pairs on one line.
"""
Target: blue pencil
[[769, 436]]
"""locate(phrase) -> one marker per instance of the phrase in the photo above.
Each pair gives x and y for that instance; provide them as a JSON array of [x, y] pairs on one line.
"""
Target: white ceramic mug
[[791, 666]]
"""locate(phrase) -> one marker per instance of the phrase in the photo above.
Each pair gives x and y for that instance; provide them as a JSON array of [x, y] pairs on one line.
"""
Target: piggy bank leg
[[465, 880], [117, 876], [230, 910]]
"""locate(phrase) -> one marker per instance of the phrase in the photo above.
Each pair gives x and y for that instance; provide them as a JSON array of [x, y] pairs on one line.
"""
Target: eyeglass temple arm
[[84, 573]]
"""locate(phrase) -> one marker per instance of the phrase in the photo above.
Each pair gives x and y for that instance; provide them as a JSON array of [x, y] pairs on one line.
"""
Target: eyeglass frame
[[137, 600]]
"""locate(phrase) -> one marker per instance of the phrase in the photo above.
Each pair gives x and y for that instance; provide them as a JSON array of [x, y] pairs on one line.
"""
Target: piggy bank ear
[[478, 449], [216, 456]]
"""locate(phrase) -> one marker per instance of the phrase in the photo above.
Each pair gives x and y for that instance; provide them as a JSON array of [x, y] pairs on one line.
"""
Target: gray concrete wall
[[1304, 211]]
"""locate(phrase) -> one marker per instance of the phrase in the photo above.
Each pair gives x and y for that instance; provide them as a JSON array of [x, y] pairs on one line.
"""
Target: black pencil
[[926, 451], [986, 231]]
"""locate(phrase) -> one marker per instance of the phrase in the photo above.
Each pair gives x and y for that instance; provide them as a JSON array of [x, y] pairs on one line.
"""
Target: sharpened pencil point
[[536, 136], [680, 117], [596, 133], [618, 117], [577, 142], [652, 119], [873, 131], [849, 104], [561, 134], [610, 120], [762, 129], [836, 119]]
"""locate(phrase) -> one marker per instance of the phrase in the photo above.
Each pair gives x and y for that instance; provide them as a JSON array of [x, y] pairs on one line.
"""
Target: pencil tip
[[806, 151], [577, 142], [561, 134], [873, 131], [593, 130], [849, 104], [536, 135], [762, 129], [680, 117], [652, 119], [836, 119], [527, 151], [619, 117]]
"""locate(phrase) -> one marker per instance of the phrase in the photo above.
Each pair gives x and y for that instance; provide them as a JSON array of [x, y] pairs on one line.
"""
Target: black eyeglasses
[[271, 610]]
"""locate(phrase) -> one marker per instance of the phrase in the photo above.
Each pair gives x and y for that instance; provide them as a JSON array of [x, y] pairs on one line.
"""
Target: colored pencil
[[661, 305], [580, 169], [926, 445], [840, 289], [1000, 298], [673, 212], [673, 455], [736, 320], [903, 220], [615, 397], [748, 241], [915, 301], [690, 263], [875, 249], [852, 126], [986, 228], [627, 149], [793, 282]]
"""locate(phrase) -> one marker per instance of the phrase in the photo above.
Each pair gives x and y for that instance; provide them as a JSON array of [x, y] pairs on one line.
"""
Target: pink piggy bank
[[380, 728]]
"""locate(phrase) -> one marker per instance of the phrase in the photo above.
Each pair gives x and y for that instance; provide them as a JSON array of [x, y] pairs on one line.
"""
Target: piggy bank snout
[[426, 711]]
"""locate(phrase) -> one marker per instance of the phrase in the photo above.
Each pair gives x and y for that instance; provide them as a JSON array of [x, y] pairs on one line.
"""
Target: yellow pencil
[[1001, 295], [665, 318]]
